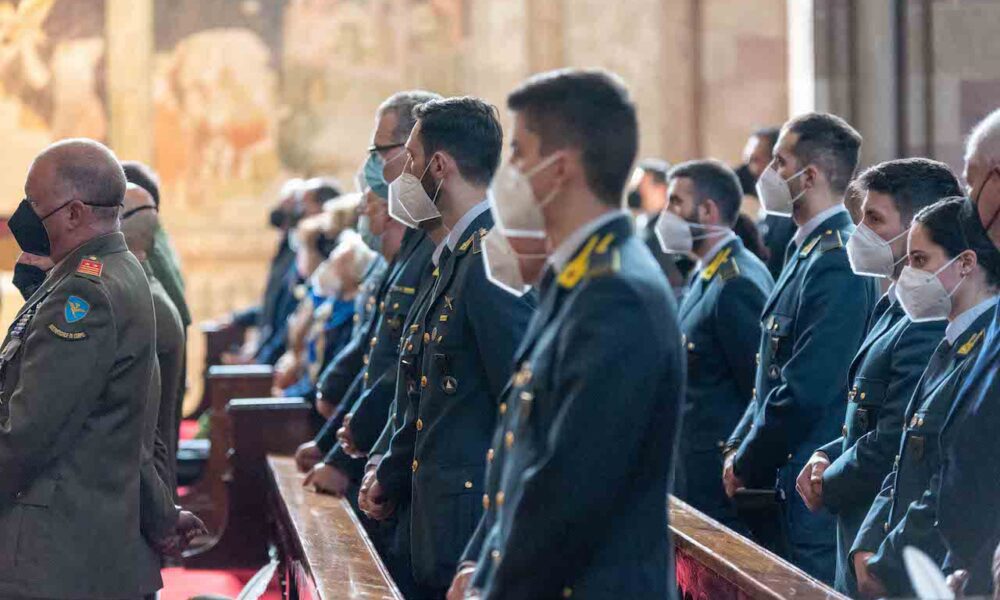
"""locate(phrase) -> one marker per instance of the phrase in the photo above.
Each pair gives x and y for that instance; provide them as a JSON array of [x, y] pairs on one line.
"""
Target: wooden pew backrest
[[712, 561], [326, 551]]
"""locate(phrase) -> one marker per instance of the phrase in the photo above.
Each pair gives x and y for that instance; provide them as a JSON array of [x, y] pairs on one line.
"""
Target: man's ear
[[709, 212]]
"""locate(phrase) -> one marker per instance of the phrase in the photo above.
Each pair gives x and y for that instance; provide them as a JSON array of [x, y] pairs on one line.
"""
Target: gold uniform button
[[508, 439], [395, 305], [885, 527], [499, 499], [503, 408], [409, 347], [427, 337], [366, 376], [373, 342], [789, 457], [420, 425], [843, 430], [862, 395], [489, 455], [486, 502], [381, 306], [567, 592], [415, 465], [690, 345], [365, 359], [495, 555], [468, 485], [423, 381], [356, 318]]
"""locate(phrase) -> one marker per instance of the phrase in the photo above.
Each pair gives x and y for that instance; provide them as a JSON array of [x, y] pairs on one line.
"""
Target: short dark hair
[[953, 224], [713, 180], [829, 143], [655, 168], [913, 183], [769, 134], [143, 176], [468, 129], [402, 104], [587, 109]]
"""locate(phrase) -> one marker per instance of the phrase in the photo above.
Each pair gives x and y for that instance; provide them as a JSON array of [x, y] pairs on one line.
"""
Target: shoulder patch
[[477, 238], [605, 263], [76, 309], [90, 267]]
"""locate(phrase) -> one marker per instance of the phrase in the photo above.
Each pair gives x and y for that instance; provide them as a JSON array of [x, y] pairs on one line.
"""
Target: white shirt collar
[[564, 253], [806, 230], [965, 320], [727, 237], [891, 294], [436, 257], [455, 235]]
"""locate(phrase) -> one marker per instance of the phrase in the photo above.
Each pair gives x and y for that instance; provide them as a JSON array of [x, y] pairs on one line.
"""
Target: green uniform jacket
[[167, 268], [74, 441]]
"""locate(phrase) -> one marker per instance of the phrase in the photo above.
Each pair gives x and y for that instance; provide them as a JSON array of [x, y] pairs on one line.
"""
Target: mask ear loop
[[996, 213]]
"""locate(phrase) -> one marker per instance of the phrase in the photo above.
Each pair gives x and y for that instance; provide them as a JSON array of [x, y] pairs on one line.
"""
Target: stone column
[[129, 31]]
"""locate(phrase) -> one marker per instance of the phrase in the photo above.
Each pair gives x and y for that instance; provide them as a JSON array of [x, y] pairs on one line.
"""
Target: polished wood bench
[[712, 561], [324, 550]]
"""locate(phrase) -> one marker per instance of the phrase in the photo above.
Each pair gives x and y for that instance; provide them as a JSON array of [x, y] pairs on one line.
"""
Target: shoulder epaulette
[[91, 268], [477, 239], [728, 270], [830, 240], [970, 345]]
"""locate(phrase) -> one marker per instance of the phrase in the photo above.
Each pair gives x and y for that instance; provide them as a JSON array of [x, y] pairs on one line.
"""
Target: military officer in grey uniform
[[812, 326], [456, 355], [844, 476], [719, 318], [945, 239], [577, 473], [75, 449]]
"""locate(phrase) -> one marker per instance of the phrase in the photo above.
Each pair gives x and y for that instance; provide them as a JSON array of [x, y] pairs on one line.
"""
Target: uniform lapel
[[964, 346], [885, 322]]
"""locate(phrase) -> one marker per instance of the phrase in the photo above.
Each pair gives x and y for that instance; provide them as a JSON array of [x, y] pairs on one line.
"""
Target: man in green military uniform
[[139, 223], [74, 451]]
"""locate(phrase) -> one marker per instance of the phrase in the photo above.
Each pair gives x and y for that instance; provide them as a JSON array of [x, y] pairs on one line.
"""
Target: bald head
[[76, 187], [139, 220]]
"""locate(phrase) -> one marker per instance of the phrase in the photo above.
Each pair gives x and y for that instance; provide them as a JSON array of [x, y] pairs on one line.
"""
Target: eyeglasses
[[385, 147]]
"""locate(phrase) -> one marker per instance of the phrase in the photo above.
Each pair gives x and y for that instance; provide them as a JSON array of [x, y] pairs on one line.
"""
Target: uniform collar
[[438, 250], [965, 320], [569, 247], [721, 243], [803, 232], [458, 232], [890, 294], [109, 243]]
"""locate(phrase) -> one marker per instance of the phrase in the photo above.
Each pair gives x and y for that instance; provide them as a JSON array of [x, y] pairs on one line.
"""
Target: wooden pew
[[713, 561], [219, 338], [325, 552]]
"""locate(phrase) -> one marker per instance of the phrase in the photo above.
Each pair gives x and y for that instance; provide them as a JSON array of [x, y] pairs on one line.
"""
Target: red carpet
[[181, 584], [189, 429]]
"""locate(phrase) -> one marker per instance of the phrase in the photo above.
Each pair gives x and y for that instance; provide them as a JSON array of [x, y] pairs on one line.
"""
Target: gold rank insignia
[[709, 272], [968, 346]]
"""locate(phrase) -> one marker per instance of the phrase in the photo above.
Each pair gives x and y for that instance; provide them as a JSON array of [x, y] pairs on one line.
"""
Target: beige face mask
[[515, 210], [408, 201], [503, 267]]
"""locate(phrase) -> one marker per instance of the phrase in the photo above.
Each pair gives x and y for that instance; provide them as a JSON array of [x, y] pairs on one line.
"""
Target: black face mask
[[27, 279], [748, 182], [28, 230], [979, 195]]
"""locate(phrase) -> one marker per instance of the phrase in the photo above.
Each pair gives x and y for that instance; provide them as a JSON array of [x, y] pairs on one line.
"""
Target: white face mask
[[408, 201], [674, 233], [774, 193], [503, 267], [870, 255], [515, 211], [923, 296]]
